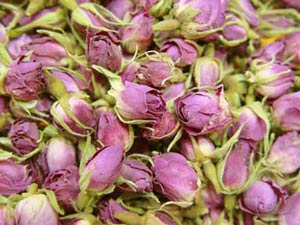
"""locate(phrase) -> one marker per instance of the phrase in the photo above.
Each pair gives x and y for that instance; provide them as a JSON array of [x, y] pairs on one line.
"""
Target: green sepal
[[46, 21], [87, 150], [51, 131], [121, 180], [55, 86], [69, 4], [34, 6], [179, 204], [53, 201], [175, 139], [4, 56], [161, 8], [6, 155]]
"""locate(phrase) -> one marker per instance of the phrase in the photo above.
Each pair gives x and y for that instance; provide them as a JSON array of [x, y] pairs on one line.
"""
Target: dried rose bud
[[211, 198], [292, 49], [174, 178], [246, 8], [104, 167], [75, 116], [35, 210], [287, 112], [6, 216], [111, 130], [140, 102], [284, 155], [107, 209], [138, 35], [14, 178], [24, 80], [120, 7], [14, 46], [139, 174], [64, 183], [202, 112], [129, 73], [271, 51], [292, 3], [103, 50], [262, 198], [181, 52], [24, 136], [254, 128], [289, 213]]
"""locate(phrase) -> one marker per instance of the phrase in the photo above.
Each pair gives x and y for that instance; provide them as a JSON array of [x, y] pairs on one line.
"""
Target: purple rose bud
[[291, 50], [234, 31], [284, 155], [140, 102], [173, 91], [46, 51], [14, 46], [289, 213], [272, 79], [202, 112], [81, 120], [207, 71], [153, 73], [35, 210], [107, 209], [287, 111], [64, 183], [174, 178], [204, 145], [138, 35], [254, 128], [14, 177], [163, 128], [139, 174], [262, 198], [246, 8], [58, 154], [111, 130], [24, 136], [236, 171], [104, 167], [106, 45], [271, 51], [211, 198], [71, 83], [292, 3], [129, 73], [181, 52], [6, 217], [163, 217], [120, 7], [24, 80]]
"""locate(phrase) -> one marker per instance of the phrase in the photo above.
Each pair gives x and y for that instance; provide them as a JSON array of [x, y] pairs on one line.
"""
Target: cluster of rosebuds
[[149, 112]]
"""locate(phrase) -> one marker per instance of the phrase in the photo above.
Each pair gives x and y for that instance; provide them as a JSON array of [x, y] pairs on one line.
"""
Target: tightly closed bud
[[138, 173], [58, 154], [112, 131], [202, 112], [262, 198], [181, 52], [271, 51], [272, 79], [138, 35], [287, 111], [120, 7], [207, 71], [35, 210], [140, 102], [14, 177], [104, 167], [46, 51], [64, 183], [24, 80], [174, 178], [14, 46], [74, 115], [24, 136], [6, 217], [103, 50], [163, 128], [254, 128], [247, 10], [107, 209], [237, 166], [289, 213], [153, 73], [284, 155]]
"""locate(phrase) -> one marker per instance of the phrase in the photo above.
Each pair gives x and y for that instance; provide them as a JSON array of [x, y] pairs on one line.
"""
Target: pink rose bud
[[291, 50], [202, 112], [138, 35], [24, 80], [181, 52], [262, 198], [6, 216], [289, 213], [112, 131], [14, 46], [139, 174], [24, 136], [120, 7], [140, 102], [107, 209], [104, 167], [174, 178]]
